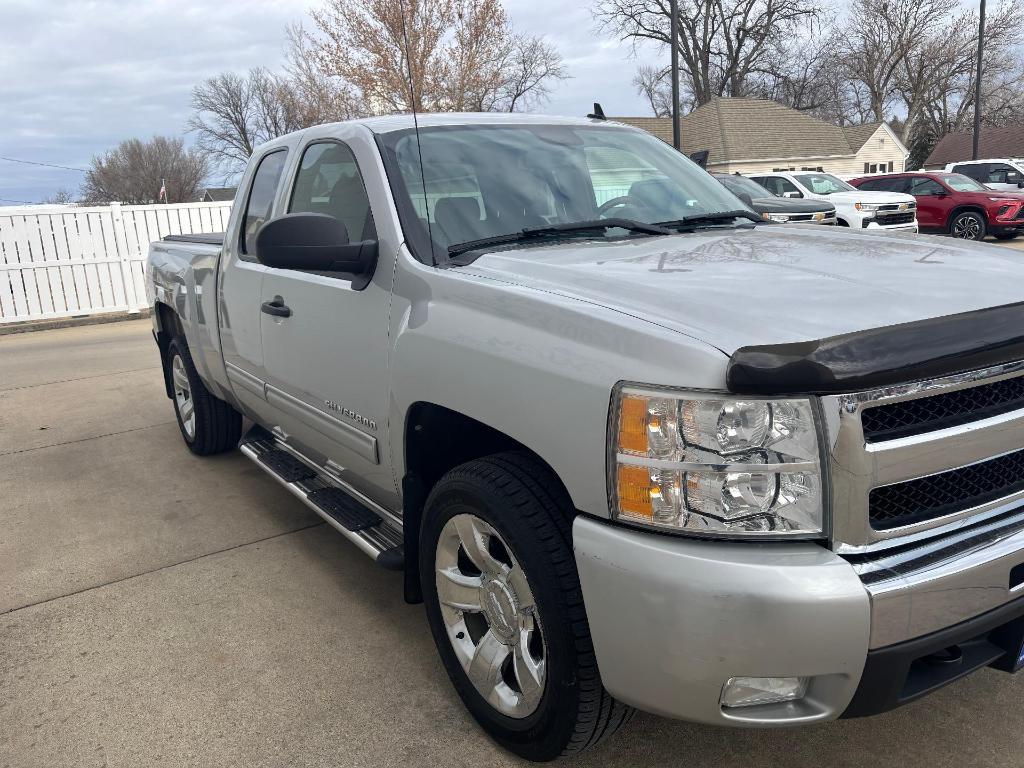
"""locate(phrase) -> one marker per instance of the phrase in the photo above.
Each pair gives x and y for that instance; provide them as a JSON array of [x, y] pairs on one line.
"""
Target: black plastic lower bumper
[[898, 674]]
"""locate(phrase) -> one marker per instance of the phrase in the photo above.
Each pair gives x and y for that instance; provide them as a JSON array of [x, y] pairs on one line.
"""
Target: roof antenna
[[416, 126], [598, 113]]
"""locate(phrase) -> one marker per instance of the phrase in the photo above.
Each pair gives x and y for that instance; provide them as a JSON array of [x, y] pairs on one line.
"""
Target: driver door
[[327, 361]]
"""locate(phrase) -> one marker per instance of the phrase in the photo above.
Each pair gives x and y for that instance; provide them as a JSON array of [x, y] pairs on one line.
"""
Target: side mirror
[[792, 195], [747, 199], [315, 242], [1020, 185]]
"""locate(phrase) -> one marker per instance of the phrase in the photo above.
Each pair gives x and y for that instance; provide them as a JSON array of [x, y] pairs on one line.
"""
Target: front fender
[[536, 366]]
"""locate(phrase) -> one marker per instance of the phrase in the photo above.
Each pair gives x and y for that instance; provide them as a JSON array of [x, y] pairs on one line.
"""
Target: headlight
[[866, 206], [715, 464], [775, 217]]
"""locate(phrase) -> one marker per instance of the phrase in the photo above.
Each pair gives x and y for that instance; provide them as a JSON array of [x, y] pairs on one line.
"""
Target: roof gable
[[995, 142], [739, 129]]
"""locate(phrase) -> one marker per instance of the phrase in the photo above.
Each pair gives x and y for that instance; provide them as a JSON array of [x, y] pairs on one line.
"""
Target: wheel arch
[[965, 208], [168, 325], [437, 439]]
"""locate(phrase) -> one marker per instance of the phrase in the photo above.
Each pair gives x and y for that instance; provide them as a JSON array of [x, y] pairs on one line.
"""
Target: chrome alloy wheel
[[183, 397], [967, 227], [490, 615]]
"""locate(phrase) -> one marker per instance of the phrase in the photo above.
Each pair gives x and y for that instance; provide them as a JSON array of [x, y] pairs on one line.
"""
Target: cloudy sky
[[79, 76]]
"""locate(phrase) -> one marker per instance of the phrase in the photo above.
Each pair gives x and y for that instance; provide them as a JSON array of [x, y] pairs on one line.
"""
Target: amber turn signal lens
[[634, 489], [633, 424]]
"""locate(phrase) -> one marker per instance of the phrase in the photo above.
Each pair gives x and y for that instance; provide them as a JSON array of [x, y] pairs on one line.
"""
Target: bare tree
[[937, 77], [462, 55], [133, 171], [723, 44], [886, 34], [63, 196], [234, 114]]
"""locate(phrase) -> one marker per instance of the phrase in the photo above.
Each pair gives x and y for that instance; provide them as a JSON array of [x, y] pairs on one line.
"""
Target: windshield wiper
[[710, 218], [554, 230]]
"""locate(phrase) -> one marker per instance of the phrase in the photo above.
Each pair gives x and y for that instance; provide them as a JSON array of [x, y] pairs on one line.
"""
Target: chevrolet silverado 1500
[[631, 445]]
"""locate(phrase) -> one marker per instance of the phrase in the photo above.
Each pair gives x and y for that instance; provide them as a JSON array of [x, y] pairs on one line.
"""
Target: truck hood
[[770, 284], [880, 198]]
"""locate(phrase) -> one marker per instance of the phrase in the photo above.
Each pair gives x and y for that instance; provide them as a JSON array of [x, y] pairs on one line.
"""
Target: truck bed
[[213, 238]]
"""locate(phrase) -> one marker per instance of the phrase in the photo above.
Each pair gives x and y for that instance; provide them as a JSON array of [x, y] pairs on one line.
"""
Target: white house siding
[[883, 150]]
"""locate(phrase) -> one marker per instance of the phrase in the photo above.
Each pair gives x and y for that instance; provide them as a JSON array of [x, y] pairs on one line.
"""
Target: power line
[[45, 165]]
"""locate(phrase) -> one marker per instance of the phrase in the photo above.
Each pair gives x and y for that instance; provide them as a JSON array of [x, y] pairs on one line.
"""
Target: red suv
[[954, 203]]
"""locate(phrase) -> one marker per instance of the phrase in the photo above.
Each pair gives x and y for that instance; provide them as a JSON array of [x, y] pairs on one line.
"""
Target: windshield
[[482, 181], [960, 183], [737, 184], [823, 183]]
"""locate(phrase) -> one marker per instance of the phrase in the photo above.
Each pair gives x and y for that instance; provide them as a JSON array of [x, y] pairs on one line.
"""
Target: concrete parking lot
[[158, 609]]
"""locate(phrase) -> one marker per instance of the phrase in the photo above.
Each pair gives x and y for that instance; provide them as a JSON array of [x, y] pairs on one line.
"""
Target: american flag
[[162, 197]]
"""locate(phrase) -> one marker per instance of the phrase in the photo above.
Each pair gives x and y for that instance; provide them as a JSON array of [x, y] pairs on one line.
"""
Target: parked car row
[[968, 200], [955, 203]]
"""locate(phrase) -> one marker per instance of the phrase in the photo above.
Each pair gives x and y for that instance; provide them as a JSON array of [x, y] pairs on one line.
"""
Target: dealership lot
[[159, 609]]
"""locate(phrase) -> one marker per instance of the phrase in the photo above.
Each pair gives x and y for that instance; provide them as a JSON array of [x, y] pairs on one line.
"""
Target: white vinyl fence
[[63, 261]]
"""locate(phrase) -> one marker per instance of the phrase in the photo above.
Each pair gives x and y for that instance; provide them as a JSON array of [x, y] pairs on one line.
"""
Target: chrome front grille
[[915, 461]]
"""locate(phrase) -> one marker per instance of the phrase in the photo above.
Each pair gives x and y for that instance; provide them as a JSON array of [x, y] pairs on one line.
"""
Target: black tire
[[968, 225], [1005, 235], [217, 426], [526, 504]]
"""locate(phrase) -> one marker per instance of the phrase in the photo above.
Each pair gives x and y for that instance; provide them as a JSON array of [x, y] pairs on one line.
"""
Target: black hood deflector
[[896, 354]]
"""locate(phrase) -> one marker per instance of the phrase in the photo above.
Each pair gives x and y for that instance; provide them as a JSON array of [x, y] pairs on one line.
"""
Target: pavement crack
[[80, 378], [162, 568], [85, 439]]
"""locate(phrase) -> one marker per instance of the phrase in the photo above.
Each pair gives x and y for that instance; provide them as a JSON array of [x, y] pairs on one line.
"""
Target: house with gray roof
[[755, 135], [1007, 141]]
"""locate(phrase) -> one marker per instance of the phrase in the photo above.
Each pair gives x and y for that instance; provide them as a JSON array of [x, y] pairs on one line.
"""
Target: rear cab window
[[260, 202]]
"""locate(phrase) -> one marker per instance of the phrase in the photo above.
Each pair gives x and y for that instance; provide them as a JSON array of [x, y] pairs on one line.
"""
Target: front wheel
[[505, 608], [208, 424], [968, 226]]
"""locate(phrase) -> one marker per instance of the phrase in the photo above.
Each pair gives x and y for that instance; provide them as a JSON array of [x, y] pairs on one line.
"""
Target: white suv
[[1003, 174], [855, 208]]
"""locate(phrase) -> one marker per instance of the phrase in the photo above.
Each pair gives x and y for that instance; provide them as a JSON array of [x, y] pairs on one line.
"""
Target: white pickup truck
[[855, 208], [631, 445]]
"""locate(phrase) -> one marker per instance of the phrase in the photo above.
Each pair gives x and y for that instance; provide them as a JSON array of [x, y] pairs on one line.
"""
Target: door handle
[[276, 308]]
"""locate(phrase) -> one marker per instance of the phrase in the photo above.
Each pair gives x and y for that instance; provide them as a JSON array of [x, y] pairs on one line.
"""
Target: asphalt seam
[[161, 568], [86, 439], [80, 378]]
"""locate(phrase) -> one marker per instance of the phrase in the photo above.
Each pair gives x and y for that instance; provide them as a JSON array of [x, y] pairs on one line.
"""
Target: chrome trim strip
[[857, 466], [340, 432], [908, 458]]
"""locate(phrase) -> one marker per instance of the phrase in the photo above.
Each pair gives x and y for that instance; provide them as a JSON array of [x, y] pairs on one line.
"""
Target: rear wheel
[[208, 424], [968, 226], [1005, 235], [506, 611]]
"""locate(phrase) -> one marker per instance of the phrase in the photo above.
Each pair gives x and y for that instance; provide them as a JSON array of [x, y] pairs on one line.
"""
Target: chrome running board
[[340, 506]]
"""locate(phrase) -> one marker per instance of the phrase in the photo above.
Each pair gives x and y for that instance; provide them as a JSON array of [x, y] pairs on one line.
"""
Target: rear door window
[[777, 185], [1001, 173], [976, 171], [260, 202], [924, 186]]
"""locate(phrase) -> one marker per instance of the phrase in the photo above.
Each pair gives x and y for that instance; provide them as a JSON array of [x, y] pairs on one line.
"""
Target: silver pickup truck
[[632, 446]]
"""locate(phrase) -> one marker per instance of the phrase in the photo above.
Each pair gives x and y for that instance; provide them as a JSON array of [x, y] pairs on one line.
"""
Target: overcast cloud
[[77, 77]]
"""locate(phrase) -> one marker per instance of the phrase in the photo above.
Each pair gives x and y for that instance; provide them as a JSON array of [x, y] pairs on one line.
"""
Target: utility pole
[[674, 35], [976, 148]]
